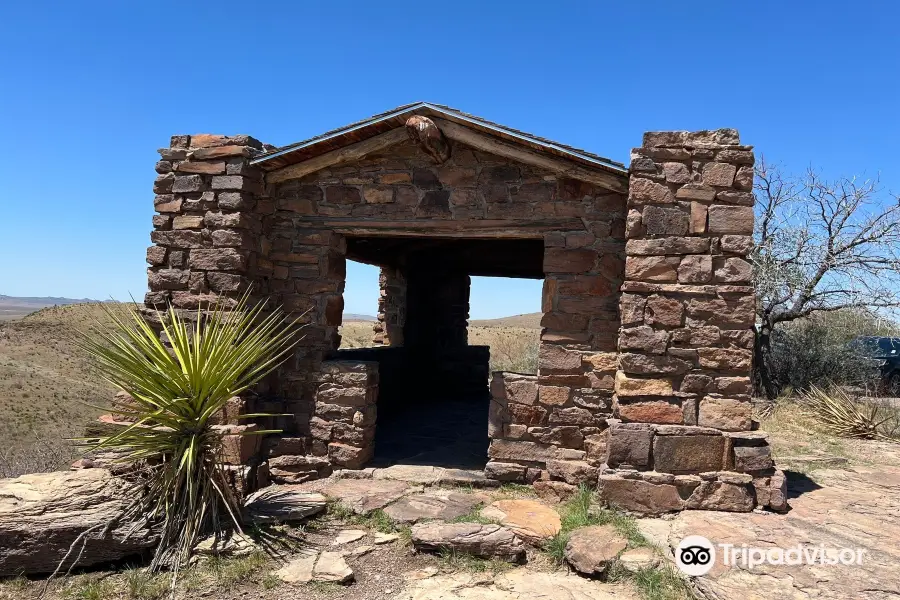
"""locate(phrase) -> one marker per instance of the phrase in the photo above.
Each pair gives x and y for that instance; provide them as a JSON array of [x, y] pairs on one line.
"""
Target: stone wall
[[643, 379], [682, 435], [391, 307]]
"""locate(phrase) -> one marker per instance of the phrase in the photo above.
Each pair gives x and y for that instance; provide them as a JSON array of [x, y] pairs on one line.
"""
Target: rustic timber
[[488, 228], [424, 132], [464, 135], [336, 157]]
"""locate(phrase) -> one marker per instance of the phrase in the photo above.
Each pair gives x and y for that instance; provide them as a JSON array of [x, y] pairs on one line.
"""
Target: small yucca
[[176, 392], [846, 416]]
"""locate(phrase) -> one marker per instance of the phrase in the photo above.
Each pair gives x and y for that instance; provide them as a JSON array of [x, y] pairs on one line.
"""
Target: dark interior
[[433, 393]]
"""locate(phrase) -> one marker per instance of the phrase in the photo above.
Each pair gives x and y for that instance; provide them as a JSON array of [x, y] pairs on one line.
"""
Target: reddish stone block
[[657, 411], [652, 268], [688, 453], [725, 413], [560, 260]]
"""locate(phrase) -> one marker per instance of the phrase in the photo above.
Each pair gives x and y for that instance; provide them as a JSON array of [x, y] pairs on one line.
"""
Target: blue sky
[[89, 91]]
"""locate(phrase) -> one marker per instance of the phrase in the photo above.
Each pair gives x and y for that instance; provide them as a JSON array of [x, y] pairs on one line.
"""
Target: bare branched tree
[[820, 246]]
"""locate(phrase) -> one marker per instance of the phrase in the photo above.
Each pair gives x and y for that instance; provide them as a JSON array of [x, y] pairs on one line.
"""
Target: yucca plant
[[177, 390], [846, 416]]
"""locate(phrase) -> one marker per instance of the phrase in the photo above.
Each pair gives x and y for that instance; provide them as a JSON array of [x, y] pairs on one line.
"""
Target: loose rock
[[591, 550], [531, 520], [283, 503], [485, 541]]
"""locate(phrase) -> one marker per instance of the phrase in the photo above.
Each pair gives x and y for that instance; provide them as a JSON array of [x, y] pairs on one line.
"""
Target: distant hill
[[527, 321], [356, 317], [13, 307]]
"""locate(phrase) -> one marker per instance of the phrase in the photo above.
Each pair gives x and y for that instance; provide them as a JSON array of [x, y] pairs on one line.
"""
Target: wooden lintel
[[341, 155], [485, 143], [484, 228]]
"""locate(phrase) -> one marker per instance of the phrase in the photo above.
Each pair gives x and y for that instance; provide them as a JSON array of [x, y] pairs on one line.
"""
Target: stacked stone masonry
[[643, 383]]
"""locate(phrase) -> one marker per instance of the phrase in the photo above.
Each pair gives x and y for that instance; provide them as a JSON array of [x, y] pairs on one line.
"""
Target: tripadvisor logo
[[695, 555]]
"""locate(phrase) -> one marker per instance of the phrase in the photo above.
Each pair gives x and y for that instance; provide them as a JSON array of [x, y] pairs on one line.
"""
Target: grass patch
[[655, 583], [475, 516], [232, 571], [90, 589], [377, 519], [324, 587], [142, 585], [516, 490], [581, 511], [459, 561]]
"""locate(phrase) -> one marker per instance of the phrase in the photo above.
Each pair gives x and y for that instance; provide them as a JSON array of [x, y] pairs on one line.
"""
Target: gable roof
[[384, 122]]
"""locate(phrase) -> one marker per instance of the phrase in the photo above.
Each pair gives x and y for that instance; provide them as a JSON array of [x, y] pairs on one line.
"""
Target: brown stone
[[652, 268], [638, 496], [644, 191], [506, 450], [736, 244], [631, 309], [501, 471], [752, 458], [629, 446], [719, 174], [695, 269], [206, 168], [733, 270], [631, 386], [725, 359], [573, 472], [667, 245], [187, 183], [558, 358], [553, 395], [554, 491], [696, 191], [649, 364], [530, 520], [743, 179], [186, 222], [698, 217], [222, 259], [592, 550], [349, 457], [663, 312], [643, 338], [665, 221], [730, 219], [676, 172], [717, 495], [562, 260], [688, 454], [476, 539], [657, 411], [725, 413]]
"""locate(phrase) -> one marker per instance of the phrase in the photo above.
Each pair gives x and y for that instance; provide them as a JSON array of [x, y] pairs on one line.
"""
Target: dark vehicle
[[885, 351]]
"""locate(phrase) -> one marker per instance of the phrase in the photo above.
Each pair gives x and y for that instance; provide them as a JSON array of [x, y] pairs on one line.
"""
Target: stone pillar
[[682, 390], [391, 307], [207, 234]]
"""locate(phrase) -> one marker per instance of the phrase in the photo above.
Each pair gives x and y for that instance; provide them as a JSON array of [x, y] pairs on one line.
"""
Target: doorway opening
[[433, 394]]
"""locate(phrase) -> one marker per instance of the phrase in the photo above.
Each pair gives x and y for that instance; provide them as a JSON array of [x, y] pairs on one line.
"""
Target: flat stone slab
[[476, 539], [385, 538], [363, 496], [348, 536], [592, 550], [838, 508], [518, 584], [428, 475], [531, 520], [639, 558], [323, 567], [444, 505], [283, 503], [814, 460]]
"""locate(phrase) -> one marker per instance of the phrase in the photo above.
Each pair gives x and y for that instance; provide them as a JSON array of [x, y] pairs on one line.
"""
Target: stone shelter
[[643, 383]]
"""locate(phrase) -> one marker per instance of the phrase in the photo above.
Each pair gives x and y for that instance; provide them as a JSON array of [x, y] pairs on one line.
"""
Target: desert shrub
[[816, 352], [176, 393]]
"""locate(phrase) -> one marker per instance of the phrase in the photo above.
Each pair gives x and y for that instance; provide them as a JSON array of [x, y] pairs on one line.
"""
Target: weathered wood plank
[[485, 143], [341, 155], [484, 228]]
